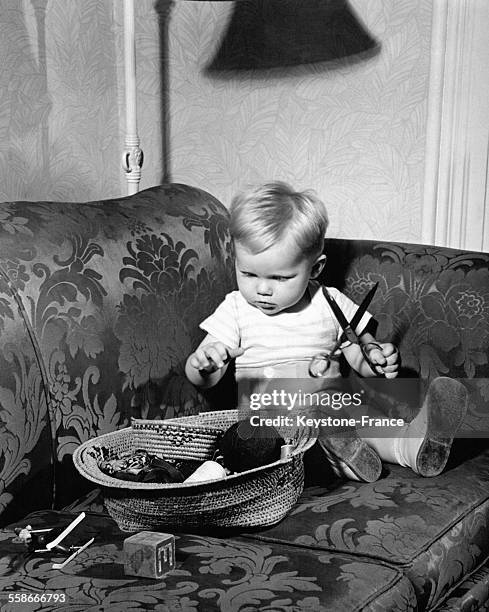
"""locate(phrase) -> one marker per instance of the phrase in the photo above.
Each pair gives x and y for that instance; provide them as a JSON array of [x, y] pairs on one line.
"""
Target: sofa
[[99, 307]]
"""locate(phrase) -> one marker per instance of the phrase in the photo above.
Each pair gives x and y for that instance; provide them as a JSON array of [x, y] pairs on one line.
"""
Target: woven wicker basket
[[257, 497]]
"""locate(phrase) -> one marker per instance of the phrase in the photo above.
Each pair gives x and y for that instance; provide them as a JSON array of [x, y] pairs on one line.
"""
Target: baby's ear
[[318, 266]]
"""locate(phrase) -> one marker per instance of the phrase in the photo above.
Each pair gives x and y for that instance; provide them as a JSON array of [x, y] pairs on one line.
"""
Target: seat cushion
[[228, 574], [436, 529]]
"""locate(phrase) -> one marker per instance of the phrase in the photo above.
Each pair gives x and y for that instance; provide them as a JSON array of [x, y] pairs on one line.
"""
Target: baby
[[279, 319]]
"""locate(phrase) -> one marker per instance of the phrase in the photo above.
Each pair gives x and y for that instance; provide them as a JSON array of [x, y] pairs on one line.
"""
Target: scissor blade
[[338, 313], [362, 309], [349, 327]]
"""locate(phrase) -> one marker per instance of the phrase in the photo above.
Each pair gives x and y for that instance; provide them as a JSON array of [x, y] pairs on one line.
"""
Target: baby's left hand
[[386, 359]]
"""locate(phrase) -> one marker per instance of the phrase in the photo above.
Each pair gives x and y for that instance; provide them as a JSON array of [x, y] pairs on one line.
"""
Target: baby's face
[[274, 280]]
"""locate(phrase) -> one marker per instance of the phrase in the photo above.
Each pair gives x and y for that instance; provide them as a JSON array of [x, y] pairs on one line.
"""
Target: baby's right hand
[[213, 356]]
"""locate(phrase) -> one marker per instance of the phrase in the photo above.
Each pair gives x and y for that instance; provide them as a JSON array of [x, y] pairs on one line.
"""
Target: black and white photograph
[[244, 305]]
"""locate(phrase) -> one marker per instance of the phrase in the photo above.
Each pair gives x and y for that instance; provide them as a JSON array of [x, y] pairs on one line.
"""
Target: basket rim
[[105, 480]]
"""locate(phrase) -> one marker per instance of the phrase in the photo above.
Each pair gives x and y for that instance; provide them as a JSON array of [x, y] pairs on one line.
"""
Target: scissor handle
[[314, 366], [367, 348]]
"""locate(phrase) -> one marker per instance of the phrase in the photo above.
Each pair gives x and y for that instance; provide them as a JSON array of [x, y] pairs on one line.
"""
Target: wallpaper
[[354, 131], [353, 128], [59, 117]]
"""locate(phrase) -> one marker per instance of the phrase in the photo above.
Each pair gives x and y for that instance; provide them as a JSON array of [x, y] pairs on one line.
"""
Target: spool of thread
[[209, 470], [286, 450]]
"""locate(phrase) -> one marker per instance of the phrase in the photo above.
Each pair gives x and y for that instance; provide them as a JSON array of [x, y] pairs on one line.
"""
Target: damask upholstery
[[213, 574], [99, 307], [432, 302], [435, 529]]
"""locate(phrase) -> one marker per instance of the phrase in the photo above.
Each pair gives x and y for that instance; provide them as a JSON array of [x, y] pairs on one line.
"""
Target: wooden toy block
[[149, 554]]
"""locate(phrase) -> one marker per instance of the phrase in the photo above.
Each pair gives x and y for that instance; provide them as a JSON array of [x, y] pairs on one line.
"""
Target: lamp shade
[[273, 33]]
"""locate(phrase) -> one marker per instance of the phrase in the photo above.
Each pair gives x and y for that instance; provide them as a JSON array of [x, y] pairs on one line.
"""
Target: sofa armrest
[[106, 298]]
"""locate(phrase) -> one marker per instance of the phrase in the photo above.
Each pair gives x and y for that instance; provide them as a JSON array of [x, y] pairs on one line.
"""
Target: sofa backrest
[[432, 302], [99, 307]]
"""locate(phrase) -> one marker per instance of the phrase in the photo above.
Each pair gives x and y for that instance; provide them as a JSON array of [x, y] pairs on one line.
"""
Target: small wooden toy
[[49, 540], [149, 554]]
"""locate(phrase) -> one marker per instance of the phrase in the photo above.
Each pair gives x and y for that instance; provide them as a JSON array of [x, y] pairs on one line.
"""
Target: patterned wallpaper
[[59, 118], [353, 131]]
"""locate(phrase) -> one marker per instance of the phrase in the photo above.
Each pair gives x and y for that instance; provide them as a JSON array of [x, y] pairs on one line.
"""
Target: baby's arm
[[386, 358], [208, 363]]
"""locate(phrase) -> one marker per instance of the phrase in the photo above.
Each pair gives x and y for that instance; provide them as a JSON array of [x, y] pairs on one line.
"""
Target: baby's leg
[[424, 444]]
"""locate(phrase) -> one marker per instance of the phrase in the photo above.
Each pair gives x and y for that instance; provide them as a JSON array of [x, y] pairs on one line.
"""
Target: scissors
[[321, 362]]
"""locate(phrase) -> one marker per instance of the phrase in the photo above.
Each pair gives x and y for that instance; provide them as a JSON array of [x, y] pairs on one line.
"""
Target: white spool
[[286, 450]]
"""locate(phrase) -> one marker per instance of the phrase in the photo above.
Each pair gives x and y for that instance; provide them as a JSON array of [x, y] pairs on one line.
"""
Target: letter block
[[149, 554]]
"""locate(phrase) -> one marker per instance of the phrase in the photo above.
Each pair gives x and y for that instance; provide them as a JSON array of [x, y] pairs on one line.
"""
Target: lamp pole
[[132, 158]]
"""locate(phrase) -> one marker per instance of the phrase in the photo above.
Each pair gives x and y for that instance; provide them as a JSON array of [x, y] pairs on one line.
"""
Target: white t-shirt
[[272, 341]]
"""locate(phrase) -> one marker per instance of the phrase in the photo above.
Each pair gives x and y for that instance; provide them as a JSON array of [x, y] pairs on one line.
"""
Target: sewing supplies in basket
[[260, 496], [241, 447], [209, 470], [141, 466]]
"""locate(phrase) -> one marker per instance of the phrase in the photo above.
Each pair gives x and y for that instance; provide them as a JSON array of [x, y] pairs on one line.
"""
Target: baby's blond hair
[[263, 215]]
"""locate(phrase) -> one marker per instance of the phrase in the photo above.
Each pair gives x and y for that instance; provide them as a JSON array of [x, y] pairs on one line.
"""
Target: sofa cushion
[[436, 529], [232, 574]]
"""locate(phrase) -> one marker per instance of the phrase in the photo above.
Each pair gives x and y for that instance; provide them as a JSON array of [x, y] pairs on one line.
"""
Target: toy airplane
[[36, 540]]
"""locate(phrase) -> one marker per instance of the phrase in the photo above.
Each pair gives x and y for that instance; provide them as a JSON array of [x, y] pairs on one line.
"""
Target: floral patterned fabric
[[231, 575], [436, 529], [110, 295], [471, 596], [433, 302], [25, 435]]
